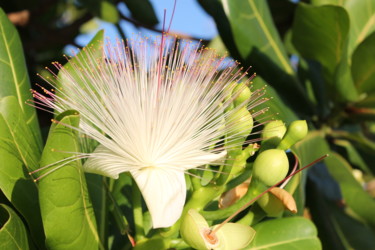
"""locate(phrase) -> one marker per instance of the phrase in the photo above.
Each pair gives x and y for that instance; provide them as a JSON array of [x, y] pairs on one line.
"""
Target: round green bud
[[274, 129], [297, 130], [240, 123], [271, 205], [271, 166], [242, 94]]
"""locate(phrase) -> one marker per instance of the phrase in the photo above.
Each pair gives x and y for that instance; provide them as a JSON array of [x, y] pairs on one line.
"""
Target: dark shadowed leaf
[[142, 11], [362, 204]]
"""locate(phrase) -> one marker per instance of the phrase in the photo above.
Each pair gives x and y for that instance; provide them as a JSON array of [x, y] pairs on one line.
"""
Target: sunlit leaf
[[12, 230], [259, 45], [286, 233], [68, 217], [363, 65], [14, 78], [19, 155]]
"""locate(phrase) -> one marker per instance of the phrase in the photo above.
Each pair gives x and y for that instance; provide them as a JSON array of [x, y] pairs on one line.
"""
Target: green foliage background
[[330, 83]]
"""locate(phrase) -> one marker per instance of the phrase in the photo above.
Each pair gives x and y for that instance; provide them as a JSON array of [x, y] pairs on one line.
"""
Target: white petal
[[202, 158], [164, 191], [105, 162]]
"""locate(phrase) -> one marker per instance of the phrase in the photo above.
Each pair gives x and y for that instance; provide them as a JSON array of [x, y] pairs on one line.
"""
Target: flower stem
[[255, 188], [137, 212]]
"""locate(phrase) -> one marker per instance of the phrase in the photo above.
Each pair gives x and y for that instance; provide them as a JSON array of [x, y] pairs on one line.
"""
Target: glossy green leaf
[[20, 138], [354, 195], [286, 233], [362, 17], [14, 78], [12, 230], [253, 28], [19, 155], [142, 11], [320, 33], [67, 213], [260, 46], [363, 65]]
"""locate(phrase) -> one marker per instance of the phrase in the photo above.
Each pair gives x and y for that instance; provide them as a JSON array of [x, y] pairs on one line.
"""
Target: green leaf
[[320, 33], [354, 157], [104, 9], [96, 52], [96, 185], [259, 45], [12, 230], [14, 78], [19, 138], [19, 155], [255, 15], [277, 108], [286, 233], [355, 197], [67, 213], [363, 65], [337, 229], [308, 150], [362, 16], [142, 11]]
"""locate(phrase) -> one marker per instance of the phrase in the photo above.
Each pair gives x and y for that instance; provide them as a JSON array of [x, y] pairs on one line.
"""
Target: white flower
[[155, 117]]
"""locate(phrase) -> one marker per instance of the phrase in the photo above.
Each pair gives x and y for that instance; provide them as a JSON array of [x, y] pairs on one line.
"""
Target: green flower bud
[[272, 134], [234, 236], [274, 129], [297, 130], [196, 232], [193, 228], [271, 166], [241, 123], [242, 94], [271, 205]]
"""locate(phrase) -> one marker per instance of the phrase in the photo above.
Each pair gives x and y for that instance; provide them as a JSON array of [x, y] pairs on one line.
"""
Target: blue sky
[[189, 19]]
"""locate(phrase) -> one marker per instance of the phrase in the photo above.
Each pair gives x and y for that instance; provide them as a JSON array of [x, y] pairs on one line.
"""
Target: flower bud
[[272, 134], [276, 201], [193, 228], [271, 205], [196, 232], [271, 166], [240, 122], [297, 130], [274, 129], [242, 94]]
